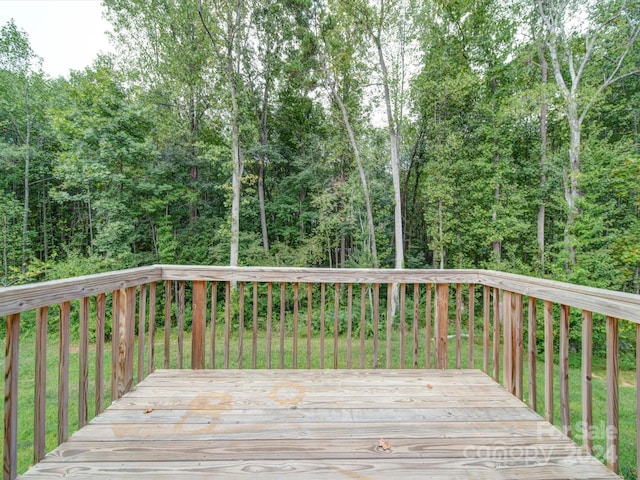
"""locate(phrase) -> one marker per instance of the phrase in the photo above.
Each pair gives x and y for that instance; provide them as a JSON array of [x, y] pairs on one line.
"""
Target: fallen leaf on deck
[[384, 444], [148, 410], [429, 385]]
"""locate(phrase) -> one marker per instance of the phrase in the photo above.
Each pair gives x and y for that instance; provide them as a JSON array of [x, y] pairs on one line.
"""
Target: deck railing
[[437, 319]]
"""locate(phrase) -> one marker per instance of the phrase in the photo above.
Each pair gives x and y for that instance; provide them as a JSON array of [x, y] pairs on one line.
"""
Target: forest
[[497, 134]]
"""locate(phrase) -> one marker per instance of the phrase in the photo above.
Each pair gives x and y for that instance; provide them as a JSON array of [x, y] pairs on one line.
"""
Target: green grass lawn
[[27, 368]]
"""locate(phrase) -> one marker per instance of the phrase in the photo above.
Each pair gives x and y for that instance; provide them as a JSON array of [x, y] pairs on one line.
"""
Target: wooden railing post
[[11, 397], [126, 330], [442, 323], [198, 324], [459, 307], [486, 318], [142, 323]]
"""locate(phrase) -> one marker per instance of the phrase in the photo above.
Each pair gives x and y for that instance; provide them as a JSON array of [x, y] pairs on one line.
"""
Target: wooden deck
[[318, 424]]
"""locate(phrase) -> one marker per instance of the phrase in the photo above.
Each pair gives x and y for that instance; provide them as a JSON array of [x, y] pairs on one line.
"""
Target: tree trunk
[[363, 176], [27, 161], [264, 138], [544, 73]]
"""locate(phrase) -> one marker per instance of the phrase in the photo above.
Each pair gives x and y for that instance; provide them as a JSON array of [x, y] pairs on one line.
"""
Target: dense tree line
[[339, 133]]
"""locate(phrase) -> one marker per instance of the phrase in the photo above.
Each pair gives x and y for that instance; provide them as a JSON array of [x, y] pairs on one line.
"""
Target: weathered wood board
[[318, 424]]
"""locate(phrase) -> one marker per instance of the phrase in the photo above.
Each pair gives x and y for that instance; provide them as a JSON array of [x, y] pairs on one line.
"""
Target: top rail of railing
[[597, 300]]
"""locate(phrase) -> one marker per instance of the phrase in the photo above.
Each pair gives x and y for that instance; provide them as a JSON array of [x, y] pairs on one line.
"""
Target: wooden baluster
[[198, 324], [565, 316], [240, 324], [254, 333], [403, 324], [472, 313], [486, 316], [376, 322], [612, 395], [336, 324], [389, 322], [10, 452], [587, 392], [496, 334], [442, 323], [508, 379], [637, 397], [309, 322], [130, 316], [349, 321], [83, 364], [40, 410], [427, 329], [152, 327], [518, 345], [214, 318], [363, 321], [269, 323], [282, 321], [459, 307], [142, 331], [181, 299], [296, 294], [532, 354], [63, 373], [416, 314], [101, 301], [167, 321], [323, 299], [115, 342], [548, 361], [227, 322]]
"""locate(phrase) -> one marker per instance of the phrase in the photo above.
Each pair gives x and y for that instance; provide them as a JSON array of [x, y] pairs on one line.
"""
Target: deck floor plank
[[318, 424]]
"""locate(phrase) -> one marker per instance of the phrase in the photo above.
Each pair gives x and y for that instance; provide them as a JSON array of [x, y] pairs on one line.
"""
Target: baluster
[[532, 354], [587, 394], [296, 288], [363, 319], [459, 308], [336, 323], [442, 325], [565, 315], [142, 320], [101, 301], [214, 318], [416, 314], [167, 321], [349, 321], [181, 300], [403, 324], [40, 410], [254, 333], [323, 299], [240, 324], [227, 322], [472, 312], [269, 322], [496, 334], [427, 329], [152, 327], [309, 322], [612, 395], [63, 373], [376, 322], [282, 321], [83, 364], [486, 316], [389, 322], [548, 361], [11, 364], [518, 345]]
